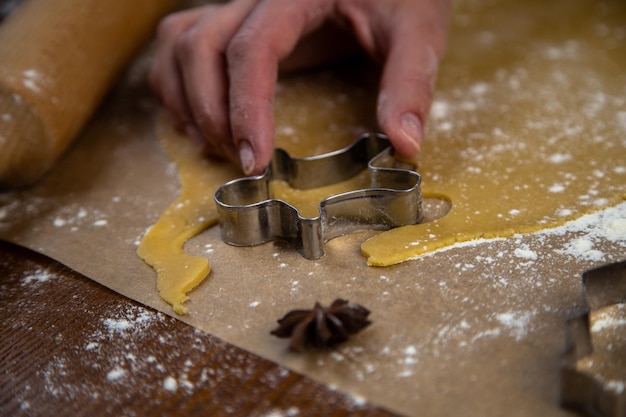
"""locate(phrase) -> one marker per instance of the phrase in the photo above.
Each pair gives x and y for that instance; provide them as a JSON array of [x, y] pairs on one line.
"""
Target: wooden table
[[70, 346]]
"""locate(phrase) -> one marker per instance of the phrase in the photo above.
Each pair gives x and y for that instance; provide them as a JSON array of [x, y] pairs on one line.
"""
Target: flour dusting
[[37, 276], [170, 384], [588, 230], [518, 322], [525, 254], [290, 412]]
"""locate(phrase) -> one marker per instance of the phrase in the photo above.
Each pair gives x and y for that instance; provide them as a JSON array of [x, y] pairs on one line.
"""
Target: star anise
[[322, 326]]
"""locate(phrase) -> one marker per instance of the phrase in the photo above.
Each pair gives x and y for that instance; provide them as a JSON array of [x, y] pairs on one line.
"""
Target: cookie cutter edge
[[249, 216]]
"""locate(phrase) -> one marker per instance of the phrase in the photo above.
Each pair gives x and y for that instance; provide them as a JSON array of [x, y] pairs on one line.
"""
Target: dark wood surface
[[70, 347]]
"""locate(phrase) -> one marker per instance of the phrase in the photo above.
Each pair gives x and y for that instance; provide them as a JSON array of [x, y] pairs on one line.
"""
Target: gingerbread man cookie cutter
[[603, 286], [248, 215]]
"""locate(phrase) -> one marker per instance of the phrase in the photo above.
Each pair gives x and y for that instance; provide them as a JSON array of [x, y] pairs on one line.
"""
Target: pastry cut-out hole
[[435, 208]]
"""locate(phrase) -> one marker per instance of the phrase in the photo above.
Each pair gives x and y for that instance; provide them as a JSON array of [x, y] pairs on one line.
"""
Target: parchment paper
[[475, 330]]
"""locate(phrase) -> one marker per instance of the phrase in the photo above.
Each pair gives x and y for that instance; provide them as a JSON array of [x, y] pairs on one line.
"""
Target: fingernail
[[412, 127], [246, 156]]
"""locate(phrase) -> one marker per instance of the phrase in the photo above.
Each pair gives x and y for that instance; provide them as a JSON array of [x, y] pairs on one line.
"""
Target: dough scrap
[[191, 213]]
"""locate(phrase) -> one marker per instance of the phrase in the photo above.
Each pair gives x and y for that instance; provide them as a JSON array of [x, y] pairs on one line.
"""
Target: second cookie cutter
[[603, 286], [249, 215]]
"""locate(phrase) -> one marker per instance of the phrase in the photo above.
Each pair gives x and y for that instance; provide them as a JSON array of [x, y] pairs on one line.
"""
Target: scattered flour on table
[[76, 217], [170, 384], [37, 276], [114, 347], [290, 412], [129, 346], [116, 373], [122, 329], [33, 80]]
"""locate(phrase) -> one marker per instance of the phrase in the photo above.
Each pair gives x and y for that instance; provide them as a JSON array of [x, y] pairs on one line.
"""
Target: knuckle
[[187, 43], [242, 44], [212, 123], [169, 26]]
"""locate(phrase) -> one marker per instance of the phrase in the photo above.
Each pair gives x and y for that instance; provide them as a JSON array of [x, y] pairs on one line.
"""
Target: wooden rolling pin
[[57, 61]]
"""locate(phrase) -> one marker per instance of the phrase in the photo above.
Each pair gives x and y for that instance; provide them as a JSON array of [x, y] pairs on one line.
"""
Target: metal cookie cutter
[[249, 215], [580, 391]]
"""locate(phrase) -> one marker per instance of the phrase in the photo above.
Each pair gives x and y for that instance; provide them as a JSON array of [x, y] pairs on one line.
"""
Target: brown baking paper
[[476, 329]]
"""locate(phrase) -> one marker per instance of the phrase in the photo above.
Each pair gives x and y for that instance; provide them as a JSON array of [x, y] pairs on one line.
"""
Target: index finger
[[269, 33]]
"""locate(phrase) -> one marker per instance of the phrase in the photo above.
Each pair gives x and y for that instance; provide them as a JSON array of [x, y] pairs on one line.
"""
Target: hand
[[215, 67]]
